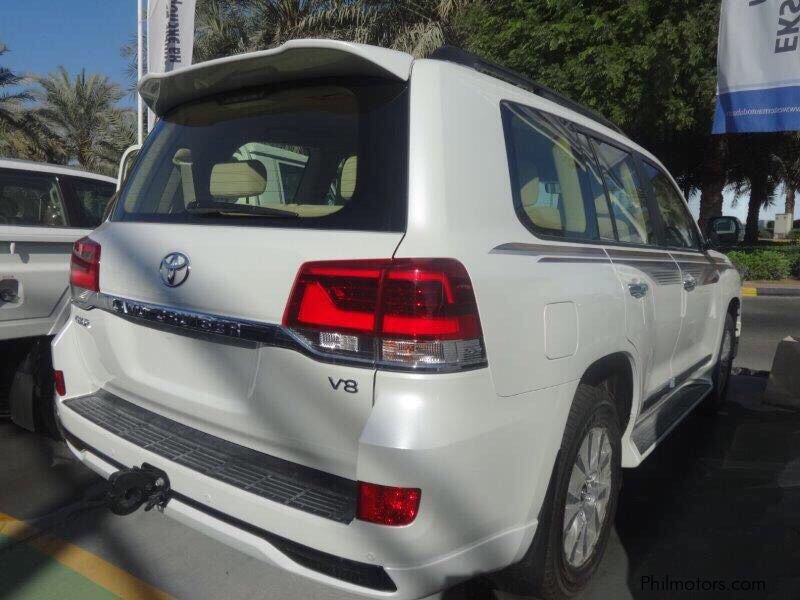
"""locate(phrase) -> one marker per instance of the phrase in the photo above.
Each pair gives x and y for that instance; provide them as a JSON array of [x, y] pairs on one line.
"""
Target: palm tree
[[226, 27], [752, 169], [18, 129], [229, 27], [787, 163], [221, 29], [10, 101], [83, 117]]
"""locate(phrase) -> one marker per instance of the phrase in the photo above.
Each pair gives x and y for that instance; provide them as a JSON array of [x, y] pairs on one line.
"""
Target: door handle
[[638, 289], [8, 296], [689, 283]]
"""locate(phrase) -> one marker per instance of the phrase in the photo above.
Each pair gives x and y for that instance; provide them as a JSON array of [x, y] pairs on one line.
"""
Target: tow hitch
[[131, 488]]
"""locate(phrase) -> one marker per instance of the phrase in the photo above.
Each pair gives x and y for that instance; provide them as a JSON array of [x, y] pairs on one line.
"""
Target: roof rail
[[466, 59]]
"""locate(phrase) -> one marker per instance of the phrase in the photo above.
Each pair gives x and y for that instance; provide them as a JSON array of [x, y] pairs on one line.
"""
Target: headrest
[[238, 179]]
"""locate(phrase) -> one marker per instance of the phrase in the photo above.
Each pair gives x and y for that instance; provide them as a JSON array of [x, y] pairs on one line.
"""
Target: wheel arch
[[616, 374]]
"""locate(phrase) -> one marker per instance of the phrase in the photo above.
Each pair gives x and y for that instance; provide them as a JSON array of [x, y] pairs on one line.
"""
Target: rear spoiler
[[294, 60]]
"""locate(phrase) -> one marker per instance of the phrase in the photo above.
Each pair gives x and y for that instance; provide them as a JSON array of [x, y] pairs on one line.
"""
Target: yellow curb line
[[749, 291], [94, 568]]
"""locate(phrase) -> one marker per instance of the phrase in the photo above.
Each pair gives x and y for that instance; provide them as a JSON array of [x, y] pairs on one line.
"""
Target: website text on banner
[[759, 66]]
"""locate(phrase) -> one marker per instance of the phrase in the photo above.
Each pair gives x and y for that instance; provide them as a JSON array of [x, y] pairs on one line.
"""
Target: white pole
[[151, 116], [139, 69]]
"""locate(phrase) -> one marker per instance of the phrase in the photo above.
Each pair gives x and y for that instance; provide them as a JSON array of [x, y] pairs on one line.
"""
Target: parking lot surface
[[714, 508], [765, 322]]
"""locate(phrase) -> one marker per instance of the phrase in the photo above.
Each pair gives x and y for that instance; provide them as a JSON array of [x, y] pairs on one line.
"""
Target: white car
[[43, 210], [434, 371]]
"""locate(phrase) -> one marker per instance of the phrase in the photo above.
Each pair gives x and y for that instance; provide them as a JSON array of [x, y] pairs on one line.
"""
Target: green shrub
[[765, 264]]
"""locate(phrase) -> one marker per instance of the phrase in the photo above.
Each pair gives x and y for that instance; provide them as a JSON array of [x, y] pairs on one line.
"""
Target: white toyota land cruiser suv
[[388, 323]]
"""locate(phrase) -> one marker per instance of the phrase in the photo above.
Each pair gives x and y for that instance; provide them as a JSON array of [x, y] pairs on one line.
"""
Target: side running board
[[654, 426]]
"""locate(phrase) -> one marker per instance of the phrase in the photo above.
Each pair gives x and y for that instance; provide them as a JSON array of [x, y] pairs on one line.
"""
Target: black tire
[[32, 391], [44, 402], [545, 571], [722, 370]]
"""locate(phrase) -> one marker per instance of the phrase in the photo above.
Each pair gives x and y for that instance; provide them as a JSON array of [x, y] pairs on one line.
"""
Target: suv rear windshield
[[317, 156]]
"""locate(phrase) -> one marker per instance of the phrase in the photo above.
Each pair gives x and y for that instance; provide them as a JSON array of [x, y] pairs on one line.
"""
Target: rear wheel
[[577, 516], [31, 391]]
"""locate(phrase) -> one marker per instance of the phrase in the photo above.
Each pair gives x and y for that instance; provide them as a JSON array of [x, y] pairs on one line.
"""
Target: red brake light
[[429, 299], [418, 313], [61, 386], [84, 269], [387, 505]]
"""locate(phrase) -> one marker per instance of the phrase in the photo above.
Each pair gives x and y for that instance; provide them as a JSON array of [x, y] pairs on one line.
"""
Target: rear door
[[649, 276], [35, 243], [207, 239]]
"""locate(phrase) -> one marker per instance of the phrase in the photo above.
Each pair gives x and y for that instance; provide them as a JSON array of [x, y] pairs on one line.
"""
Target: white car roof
[[296, 59], [39, 167]]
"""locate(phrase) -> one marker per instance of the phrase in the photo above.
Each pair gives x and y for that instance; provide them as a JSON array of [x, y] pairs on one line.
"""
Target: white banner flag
[[170, 34], [759, 66]]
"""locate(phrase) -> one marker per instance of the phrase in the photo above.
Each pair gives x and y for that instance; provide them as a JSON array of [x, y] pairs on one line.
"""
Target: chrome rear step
[[291, 484]]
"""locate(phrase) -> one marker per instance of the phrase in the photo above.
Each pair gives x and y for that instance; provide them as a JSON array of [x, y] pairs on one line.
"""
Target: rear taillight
[[407, 313], [61, 386], [84, 269], [387, 505]]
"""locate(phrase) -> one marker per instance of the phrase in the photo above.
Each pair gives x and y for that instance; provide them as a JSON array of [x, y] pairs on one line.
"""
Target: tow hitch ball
[[130, 488]]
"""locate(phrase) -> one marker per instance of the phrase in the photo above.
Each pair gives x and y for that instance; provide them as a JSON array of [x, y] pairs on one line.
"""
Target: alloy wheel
[[588, 494]]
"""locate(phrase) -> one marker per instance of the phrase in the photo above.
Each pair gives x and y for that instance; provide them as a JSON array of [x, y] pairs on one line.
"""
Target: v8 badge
[[348, 385]]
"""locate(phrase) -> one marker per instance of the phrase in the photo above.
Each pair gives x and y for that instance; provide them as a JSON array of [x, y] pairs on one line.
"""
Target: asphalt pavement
[[766, 320], [714, 506]]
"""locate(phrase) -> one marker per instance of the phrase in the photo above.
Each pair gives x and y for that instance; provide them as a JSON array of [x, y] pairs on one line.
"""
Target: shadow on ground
[[717, 505]]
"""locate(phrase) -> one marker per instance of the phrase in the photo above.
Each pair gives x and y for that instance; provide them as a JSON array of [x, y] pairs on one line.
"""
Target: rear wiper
[[224, 208]]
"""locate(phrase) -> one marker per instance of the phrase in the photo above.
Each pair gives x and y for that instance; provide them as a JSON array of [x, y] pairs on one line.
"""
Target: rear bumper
[[482, 462], [358, 578]]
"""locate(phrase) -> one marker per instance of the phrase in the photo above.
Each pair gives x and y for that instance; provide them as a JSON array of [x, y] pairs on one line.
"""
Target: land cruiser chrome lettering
[[176, 318]]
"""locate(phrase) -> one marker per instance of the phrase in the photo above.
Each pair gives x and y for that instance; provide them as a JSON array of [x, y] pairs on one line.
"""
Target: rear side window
[[553, 175], [626, 195], [330, 156], [30, 199], [679, 229], [91, 198], [724, 226]]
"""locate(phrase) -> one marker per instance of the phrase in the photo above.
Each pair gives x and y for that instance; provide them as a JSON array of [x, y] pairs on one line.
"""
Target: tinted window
[[679, 229], [724, 226], [274, 157], [290, 180], [30, 199], [553, 175], [92, 197], [626, 195]]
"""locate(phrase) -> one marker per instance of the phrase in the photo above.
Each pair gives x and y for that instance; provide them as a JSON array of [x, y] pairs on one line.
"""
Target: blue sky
[[43, 34]]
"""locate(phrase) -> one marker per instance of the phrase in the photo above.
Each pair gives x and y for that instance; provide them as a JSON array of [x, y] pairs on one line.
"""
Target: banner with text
[[170, 34], [758, 66]]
